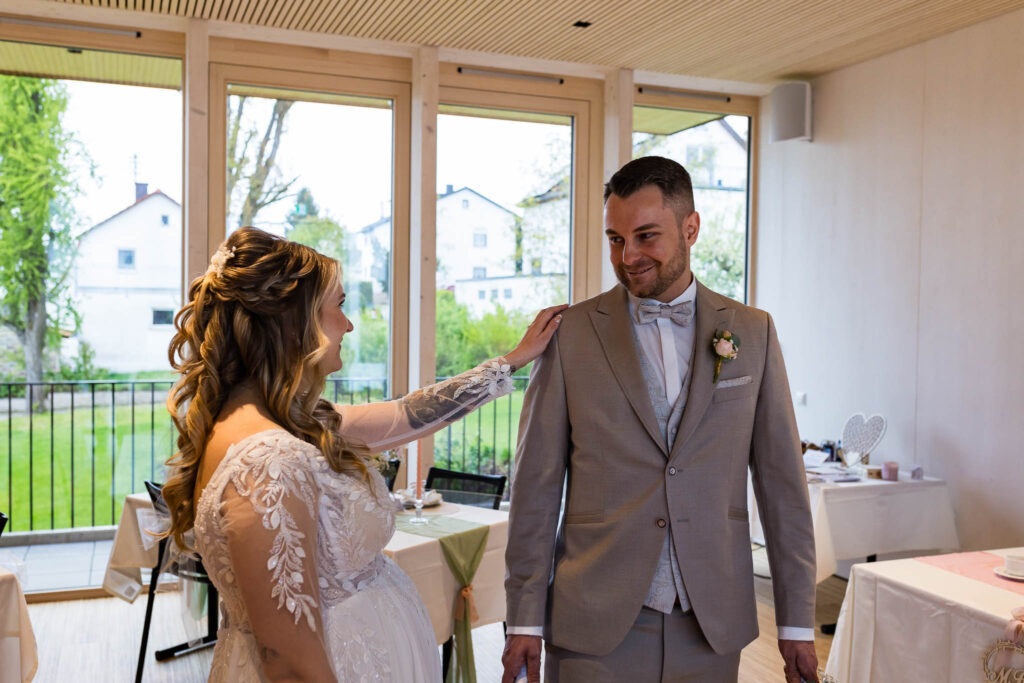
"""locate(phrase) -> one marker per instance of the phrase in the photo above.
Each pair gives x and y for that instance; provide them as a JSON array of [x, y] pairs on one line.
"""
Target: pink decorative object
[[891, 470]]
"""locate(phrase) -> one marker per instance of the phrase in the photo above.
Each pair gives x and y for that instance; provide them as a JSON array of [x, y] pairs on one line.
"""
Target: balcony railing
[[88, 444]]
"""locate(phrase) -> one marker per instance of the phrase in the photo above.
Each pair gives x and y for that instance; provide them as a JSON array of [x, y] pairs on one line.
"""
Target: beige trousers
[[660, 648]]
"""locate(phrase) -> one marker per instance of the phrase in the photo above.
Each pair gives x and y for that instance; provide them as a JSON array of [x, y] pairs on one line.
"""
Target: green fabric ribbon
[[463, 543]]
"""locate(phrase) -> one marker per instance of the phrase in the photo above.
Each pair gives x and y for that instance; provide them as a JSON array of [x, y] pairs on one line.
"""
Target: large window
[[715, 148], [316, 167], [519, 208], [91, 178]]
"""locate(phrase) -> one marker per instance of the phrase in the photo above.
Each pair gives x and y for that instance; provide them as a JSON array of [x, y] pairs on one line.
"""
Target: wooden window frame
[[330, 71]]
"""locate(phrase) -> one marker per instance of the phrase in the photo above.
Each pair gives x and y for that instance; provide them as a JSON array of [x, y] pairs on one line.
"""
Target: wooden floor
[[98, 640]]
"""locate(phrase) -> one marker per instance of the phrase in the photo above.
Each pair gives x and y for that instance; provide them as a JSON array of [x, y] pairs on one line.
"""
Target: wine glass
[[418, 493]]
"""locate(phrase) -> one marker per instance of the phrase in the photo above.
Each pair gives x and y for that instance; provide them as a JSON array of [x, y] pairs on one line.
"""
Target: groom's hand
[[800, 658], [520, 651]]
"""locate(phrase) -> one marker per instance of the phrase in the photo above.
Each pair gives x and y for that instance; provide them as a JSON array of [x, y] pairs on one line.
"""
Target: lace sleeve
[[268, 515], [391, 423]]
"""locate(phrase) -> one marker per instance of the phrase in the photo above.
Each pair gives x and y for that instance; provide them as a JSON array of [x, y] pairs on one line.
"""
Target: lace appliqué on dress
[[265, 479], [455, 398]]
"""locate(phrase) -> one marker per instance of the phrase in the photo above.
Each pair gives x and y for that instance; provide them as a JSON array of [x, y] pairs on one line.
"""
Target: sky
[[342, 153]]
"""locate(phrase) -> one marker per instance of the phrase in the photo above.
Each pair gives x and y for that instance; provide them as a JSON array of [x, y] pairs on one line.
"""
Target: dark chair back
[[3, 523], [392, 472], [480, 490]]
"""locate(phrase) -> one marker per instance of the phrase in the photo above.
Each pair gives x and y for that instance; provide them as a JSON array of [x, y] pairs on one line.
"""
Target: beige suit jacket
[[588, 423]]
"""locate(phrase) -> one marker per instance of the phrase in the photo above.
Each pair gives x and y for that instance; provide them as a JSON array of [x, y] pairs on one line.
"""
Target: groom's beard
[[665, 274]]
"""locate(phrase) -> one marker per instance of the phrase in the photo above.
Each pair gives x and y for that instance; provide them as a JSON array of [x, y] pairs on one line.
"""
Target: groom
[[648, 575]]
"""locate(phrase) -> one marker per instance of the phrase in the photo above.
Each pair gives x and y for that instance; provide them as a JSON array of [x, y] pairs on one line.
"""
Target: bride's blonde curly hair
[[254, 315]]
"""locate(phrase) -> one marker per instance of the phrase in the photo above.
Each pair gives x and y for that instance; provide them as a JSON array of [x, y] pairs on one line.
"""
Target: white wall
[[890, 252]]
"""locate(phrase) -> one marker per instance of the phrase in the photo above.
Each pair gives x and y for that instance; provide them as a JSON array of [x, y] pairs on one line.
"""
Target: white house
[[127, 283], [476, 243]]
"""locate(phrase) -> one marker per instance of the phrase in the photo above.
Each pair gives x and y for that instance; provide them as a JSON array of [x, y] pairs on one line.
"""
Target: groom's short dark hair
[[669, 176]]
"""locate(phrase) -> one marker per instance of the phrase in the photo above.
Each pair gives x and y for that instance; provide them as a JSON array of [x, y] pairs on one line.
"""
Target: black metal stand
[[830, 629], [212, 600], [209, 639]]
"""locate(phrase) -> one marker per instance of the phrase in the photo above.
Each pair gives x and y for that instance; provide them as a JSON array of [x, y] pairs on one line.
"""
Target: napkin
[[408, 498]]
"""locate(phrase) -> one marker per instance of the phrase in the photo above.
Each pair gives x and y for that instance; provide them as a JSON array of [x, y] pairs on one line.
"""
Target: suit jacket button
[[662, 523], [672, 471]]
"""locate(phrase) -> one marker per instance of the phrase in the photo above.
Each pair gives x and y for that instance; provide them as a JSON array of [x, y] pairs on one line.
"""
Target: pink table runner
[[977, 566]]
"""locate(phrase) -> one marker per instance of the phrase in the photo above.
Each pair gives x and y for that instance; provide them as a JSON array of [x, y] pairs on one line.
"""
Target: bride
[[290, 516]]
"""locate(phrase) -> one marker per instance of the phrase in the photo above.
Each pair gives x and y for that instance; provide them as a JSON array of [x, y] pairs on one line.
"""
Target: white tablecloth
[[423, 560], [420, 557], [905, 620], [872, 517], [133, 549], [18, 657]]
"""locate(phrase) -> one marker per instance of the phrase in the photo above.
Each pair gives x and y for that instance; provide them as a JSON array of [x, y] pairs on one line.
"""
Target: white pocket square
[[735, 382]]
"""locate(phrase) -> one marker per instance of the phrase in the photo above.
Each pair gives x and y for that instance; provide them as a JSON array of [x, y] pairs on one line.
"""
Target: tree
[[305, 207], [323, 234], [252, 165], [36, 189]]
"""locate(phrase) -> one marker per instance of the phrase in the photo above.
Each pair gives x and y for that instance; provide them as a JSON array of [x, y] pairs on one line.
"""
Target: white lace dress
[[295, 549]]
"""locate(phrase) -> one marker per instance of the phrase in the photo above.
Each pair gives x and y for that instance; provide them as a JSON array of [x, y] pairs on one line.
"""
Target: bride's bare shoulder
[[234, 424]]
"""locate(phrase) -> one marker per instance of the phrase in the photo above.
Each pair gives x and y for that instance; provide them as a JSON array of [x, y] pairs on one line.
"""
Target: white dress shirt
[[668, 348]]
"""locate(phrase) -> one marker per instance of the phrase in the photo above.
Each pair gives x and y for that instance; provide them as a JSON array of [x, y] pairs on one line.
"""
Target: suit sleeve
[[780, 485], [541, 457]]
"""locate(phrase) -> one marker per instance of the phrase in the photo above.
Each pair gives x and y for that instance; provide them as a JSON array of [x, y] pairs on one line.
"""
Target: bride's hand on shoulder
[[537, 336]]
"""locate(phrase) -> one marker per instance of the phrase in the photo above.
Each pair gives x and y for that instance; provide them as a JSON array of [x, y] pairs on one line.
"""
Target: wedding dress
[[295, 549]]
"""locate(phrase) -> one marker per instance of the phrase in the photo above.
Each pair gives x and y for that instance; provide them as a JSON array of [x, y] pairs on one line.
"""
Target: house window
[[163, 316], [465, 203], [481, 294], [165, 219], [479, 273], [494, 294], [479, 240], [508, 293], [125, 258]]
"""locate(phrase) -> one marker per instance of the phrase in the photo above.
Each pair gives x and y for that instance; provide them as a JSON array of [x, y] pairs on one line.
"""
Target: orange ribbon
[[460, 605]]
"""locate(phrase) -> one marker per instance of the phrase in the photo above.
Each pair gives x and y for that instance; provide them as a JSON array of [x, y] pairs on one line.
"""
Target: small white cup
[[1015, 564]]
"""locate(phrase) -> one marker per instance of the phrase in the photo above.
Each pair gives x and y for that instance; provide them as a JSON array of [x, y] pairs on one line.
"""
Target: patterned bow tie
[[680, 314]]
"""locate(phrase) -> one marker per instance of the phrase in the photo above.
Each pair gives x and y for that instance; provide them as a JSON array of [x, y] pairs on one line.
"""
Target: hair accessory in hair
[[220, 259]]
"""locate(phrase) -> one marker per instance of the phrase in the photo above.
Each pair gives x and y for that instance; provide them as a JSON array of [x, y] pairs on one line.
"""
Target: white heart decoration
[[861, 434]]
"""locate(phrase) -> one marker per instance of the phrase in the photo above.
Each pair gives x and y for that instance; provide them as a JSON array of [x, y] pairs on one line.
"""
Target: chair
[[392, 472], [478, 490], [189, 568], [3, 523]]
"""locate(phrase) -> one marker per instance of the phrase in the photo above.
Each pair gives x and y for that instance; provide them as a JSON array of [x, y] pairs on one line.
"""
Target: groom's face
[[650, 246]]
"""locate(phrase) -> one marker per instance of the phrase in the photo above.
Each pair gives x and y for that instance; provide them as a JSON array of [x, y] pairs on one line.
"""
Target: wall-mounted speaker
[[790, 112]]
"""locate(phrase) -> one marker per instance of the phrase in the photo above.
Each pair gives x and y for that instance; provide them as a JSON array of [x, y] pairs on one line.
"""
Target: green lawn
[[80, 476], [485, 440], [75, 470]]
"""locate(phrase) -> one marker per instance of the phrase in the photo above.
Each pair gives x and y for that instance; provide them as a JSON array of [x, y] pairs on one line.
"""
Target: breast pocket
[[733, 389]]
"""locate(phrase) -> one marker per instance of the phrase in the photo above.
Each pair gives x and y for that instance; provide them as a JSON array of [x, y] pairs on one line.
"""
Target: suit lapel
[[613, 327], [712, 314]]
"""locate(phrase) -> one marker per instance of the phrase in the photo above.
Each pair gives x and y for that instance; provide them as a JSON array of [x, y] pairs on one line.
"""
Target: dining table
[[859, 519], [18, 656], [928, 618], [419, 556]]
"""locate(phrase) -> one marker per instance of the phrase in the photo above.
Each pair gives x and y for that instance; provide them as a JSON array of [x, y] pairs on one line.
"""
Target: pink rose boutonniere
[[726, 346]]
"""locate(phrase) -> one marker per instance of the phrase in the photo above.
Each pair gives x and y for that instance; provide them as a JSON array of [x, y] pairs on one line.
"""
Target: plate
[[1001, 571]]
